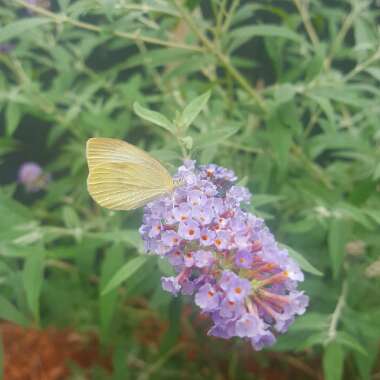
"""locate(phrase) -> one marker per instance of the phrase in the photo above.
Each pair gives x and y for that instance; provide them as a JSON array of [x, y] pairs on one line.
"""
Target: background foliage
[[294, 110]]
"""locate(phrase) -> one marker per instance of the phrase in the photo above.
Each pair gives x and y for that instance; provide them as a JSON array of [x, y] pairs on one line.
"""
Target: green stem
[[303, 11], [156, 366], [362, 66], [332, 332], [223, 59], [230, 14], [314, 168], [347, 23], [61, 19]]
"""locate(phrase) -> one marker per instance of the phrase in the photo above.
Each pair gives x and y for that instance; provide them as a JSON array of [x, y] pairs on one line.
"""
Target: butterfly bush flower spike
[[224, 256]]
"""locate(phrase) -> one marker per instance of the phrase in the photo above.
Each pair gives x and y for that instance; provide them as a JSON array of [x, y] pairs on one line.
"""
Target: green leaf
[[9, 312], [112, 261], [193, 109], [302, 262], [243, 34], [165, 267], [376, 172], [214, 137], [8, 145], [336, 242], [365, 363], [263, 199], [311, 321], [153, 116], [12, 116], [171, 336], [333, 359], [19, 27], [284, 93], [32, 279], [129, 236], [70, 217], [375, 72], [347, 340], [124, 273]]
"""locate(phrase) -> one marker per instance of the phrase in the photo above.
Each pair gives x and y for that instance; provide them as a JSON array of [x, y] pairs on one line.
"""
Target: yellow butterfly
[[123, 177]]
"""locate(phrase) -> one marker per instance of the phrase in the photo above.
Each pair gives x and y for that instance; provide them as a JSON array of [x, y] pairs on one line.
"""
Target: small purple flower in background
[[6, 48], [32, 177], [226, 257]]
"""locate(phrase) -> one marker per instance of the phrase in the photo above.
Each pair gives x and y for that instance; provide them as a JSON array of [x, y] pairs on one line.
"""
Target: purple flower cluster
[[224, 255]]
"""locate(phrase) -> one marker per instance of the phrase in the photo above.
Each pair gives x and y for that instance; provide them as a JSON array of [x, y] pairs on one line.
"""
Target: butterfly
[[122, 176]]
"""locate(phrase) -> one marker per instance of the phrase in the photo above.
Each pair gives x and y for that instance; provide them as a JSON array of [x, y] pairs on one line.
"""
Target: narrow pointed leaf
[[193, 109], [153, 117], [124, 273]]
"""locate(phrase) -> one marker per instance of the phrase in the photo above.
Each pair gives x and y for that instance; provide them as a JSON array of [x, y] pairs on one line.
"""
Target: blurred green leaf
[[32, 276], [302, 262], [333, 358], [70, 217], [113, 260], [243, 34], [348, 341], [9, 312], [208, 139], [8, 145], [336, 241], [366, 362], [129, 236], [193, 109], [154, 117], [17, 28], [13, 116], [173, 332], [311, 321], [126, 271]]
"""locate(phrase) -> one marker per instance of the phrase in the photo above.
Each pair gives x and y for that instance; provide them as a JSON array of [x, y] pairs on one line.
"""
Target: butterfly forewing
[[123, 177]]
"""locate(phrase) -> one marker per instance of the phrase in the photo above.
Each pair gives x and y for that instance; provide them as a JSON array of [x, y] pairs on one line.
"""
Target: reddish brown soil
[[32, 354]]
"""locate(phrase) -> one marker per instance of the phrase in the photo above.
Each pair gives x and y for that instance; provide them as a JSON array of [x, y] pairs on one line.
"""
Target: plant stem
[[331, 335], [146, 8], [156, 366], [347, 23], [229, 15], [243, 148], [302, 9], [223, 59], [362, 66], [61, 19], [314, 168]]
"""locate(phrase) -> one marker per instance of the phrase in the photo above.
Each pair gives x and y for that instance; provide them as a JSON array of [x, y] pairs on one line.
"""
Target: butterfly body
[[122, 176]]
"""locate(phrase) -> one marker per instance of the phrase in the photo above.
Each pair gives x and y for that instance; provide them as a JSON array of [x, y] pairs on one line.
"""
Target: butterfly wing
[[123, 177]]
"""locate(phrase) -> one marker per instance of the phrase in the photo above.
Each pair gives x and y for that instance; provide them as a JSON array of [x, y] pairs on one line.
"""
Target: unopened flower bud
[[355, 247], [373, 270]]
